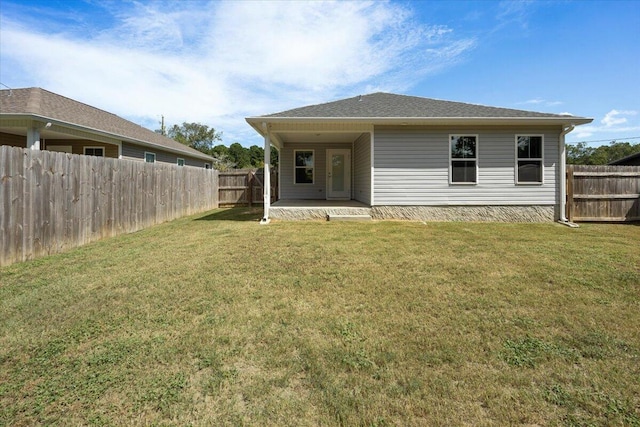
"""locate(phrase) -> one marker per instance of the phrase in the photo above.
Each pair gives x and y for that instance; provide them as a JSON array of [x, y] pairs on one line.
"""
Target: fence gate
[[244, 187], [603, 193]]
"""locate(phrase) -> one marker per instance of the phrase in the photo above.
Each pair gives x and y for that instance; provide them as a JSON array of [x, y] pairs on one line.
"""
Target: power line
[[610, 139], [10, 90]]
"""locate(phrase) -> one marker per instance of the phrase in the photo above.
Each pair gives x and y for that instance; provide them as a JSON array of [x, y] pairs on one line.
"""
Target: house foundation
[[465, 213], [296, 210]]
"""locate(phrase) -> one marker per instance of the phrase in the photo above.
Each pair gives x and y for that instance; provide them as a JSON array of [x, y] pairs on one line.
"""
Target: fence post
[[569, 183], [275, 185], [250, 184]]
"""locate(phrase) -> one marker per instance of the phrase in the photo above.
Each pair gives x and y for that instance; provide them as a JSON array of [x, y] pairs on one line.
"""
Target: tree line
[[581, 154], [204, 138]]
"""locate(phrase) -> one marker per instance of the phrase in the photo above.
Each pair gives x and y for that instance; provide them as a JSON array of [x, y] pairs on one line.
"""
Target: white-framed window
[[94, 151], [207, 165], [303, 166], [180, 162], [529, 159], [149, 157], [463, 159]]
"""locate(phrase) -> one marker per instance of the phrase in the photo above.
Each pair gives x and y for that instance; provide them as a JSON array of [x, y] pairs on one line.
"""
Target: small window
[[529, 159], [94, 151], [207, 165], [464, 159], [149, 157], [180, 162], [304, 166]]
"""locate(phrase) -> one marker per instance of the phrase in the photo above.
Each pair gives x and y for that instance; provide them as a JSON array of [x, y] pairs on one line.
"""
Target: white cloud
[[540, 101], [217, 62], [613, 117], [614, 127], [581, 133], [512, 13]]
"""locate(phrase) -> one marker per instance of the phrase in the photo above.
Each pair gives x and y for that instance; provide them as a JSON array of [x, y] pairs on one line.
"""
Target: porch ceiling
[[317, 137], [44, 133]]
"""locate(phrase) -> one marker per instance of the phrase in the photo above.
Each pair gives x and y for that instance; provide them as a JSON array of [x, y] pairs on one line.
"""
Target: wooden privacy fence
[[55, 201], [603, 193], [244, 187]]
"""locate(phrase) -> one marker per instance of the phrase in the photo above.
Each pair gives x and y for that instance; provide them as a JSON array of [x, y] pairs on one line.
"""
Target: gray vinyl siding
[[135, 152], [362, 169], [412, 168], [315, 191], [13, 140]]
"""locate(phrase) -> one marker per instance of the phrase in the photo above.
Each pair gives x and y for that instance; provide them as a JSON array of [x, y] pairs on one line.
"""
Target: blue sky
[[218, 62]]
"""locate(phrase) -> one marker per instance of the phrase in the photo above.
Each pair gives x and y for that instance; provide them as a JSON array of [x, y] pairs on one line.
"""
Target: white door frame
[[346, 194]]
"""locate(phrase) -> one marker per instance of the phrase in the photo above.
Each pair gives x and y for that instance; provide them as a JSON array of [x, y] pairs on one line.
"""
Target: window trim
[[145, 156], [476, 158], [178, 161], [540, 159], [313, 167], [92, 147]]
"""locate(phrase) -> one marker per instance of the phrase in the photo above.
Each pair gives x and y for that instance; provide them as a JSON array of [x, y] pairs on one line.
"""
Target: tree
[[221, 150], [239, 155], [195, 135], [202, 138], [236, 155], [222, 162], [580, 154], [256, 155]]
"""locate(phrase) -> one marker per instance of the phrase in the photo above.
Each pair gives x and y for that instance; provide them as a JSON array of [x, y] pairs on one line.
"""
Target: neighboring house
[[630, 160], [409, 157], [42, 120]]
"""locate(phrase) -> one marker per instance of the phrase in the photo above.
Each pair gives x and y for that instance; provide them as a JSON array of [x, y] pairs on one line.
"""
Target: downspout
[[267, 174], [563, 177]]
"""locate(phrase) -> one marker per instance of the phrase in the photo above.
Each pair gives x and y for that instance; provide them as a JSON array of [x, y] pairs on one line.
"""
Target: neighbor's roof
[[631, 160], [391, 106], [49, 105]]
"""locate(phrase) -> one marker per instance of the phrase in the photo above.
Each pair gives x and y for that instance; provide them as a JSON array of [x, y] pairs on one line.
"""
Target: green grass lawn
[[215, 320]]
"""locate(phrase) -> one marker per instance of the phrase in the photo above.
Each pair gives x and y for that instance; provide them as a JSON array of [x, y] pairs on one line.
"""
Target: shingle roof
[[630, 160], [388, 105], [41, 102]]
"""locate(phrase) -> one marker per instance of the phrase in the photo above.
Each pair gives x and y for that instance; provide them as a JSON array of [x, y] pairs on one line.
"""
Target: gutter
[[256, 121], [563, 177]]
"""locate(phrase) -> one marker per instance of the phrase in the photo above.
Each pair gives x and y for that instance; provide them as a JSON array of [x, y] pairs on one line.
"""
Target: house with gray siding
[[407, 157], [41, 120]]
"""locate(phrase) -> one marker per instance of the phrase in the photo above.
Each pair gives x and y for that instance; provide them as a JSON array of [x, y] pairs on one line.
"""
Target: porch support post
[[267, 174], [562, 181], [33, 138], [372, 171]]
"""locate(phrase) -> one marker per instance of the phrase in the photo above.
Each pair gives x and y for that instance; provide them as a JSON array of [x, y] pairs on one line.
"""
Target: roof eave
[[123, 138], [256, 122]]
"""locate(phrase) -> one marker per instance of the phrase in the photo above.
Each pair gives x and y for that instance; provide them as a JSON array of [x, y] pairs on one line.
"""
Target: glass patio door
[[339, 174]]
